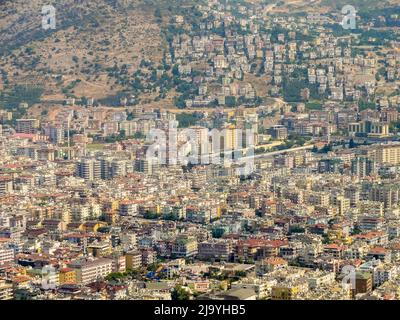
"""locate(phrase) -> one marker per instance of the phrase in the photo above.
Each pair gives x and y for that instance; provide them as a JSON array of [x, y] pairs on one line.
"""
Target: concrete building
[[88, 271]]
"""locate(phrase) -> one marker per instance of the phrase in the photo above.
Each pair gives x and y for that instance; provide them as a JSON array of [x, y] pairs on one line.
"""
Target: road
[[275, 153]]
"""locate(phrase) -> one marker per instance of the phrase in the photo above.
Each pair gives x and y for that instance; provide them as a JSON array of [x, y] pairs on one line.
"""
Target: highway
[[275, 153]]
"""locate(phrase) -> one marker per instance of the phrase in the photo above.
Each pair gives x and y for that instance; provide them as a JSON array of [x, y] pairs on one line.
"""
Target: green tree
[[179, 293], [230, 101]]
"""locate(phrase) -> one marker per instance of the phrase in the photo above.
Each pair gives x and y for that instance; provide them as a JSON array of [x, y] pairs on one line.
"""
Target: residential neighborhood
[[258, 159]]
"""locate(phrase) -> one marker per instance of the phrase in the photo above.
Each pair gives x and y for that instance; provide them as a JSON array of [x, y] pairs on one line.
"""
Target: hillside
[[75, 59], [107, 48]]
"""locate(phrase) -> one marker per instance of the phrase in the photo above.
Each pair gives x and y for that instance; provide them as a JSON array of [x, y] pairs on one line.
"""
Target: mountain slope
[[90, 38]]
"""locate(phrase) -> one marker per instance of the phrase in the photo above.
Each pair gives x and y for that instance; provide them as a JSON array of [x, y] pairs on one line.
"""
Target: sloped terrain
[[90, 38]]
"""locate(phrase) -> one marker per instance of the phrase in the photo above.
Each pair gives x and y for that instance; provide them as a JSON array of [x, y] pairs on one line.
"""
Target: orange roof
[[369, 235], [24, 135], [378, 250], [396, 246], [130, 201], [21, 279], [333, 246], [275, 261], [263, 242]]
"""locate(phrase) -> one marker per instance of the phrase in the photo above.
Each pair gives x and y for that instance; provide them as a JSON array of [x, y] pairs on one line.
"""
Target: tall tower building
[[362, 167], [89, 169], [27, 125]]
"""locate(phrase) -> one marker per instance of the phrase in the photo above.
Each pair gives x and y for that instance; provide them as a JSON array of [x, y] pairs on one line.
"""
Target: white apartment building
[[88, 271]]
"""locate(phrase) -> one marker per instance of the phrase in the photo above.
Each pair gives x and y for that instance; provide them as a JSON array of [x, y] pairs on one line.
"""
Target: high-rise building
[[330, 166], [6, 184], [118, 168], [55, 133], [230, 138], [353, 194], [105, 165], [388, 194], [278, 132], [203, 147], [27, 125], [89, 169], [148, 165], [362, 167], [388, 154]]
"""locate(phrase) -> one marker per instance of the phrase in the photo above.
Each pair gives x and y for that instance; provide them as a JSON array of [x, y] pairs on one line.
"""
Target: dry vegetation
[[91, 36]]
